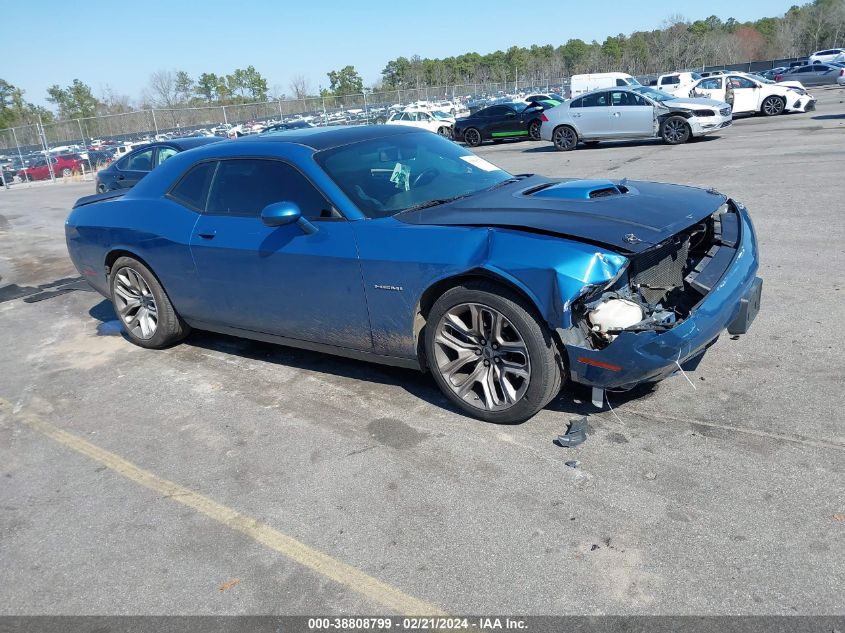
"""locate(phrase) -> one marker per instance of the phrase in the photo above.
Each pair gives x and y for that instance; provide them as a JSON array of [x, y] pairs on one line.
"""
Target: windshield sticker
[[401, 176], [477, 161]]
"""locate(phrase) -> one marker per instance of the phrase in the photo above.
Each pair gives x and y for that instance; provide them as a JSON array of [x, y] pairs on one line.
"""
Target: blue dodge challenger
[[398, 246]]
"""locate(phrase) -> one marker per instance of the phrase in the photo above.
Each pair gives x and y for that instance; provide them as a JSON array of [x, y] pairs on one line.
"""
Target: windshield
[[438, 114], [632, 81], [384, 176], [654, 95]]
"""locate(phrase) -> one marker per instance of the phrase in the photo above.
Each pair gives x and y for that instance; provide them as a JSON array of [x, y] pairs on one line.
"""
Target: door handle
[[617, 114], [121, 177], [207, 235]]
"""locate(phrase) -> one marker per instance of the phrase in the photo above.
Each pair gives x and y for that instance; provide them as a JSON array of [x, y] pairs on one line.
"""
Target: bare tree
[[300, 86], [164, 92]]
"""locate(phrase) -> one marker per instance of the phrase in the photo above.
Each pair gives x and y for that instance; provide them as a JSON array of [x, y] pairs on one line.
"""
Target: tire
[[772, 106], [101, 188], [564, 138], [534, 129], [67, 172], [130, 278], [675, 130], [472, 137], [445, 132], [503, 379]]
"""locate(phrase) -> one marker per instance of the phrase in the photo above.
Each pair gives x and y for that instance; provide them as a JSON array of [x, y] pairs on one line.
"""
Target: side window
[[670, 80], [595, 100], [142, 161], [576, 103], [497, 111], [192, 189], [245, 186], [164, 153], [742, 82], [713, 83], [621, 82]]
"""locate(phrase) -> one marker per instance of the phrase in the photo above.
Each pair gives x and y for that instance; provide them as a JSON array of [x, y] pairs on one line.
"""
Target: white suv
[[829, 55]]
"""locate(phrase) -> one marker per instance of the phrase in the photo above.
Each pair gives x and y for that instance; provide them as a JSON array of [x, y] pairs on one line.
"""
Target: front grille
[[659, 271], [725, 111]]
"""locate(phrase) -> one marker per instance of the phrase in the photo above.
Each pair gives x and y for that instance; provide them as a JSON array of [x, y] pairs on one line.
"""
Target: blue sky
[[118, 43]]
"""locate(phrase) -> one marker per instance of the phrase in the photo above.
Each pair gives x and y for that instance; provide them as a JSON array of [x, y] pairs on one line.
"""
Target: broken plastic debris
[[573, 463], [575, 434]]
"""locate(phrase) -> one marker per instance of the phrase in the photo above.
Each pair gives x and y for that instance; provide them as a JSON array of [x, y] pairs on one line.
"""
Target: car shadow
[[572, 400], [828, 117], [582, 147]]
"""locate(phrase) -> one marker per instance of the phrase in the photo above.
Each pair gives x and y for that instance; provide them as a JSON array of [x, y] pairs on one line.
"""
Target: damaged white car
[[753, 95]]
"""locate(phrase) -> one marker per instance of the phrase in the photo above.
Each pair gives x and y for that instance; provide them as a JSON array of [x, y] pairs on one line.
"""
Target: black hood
[[628, 216]]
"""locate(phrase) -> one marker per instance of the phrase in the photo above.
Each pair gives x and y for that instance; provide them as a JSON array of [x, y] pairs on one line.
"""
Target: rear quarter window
[[191, 190]]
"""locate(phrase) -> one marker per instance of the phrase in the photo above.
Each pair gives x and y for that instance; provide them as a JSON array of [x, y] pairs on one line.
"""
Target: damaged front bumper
[[649, 356], [800, 103]]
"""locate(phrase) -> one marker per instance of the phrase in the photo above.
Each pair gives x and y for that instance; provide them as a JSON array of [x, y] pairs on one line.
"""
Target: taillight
[[842, 73], [543, 117], [778, 77]]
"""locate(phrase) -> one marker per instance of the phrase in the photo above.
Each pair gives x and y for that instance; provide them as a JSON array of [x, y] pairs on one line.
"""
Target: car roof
[[186, 143], [319, 138]]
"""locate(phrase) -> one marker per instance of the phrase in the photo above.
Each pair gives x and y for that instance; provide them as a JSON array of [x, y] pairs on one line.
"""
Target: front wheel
[[67, 172], [445, 132], [143, 307], [772, 106], [675, 130], [534, 130], [472, 137], [489, 353], [564, 138]]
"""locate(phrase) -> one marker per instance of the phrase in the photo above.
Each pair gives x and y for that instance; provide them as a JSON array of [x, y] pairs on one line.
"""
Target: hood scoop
[[578, 190]]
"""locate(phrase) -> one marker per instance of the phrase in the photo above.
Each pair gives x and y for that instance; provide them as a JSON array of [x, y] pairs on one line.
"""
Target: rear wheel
[[490, 354], [472, 137], [675, 130], [564, 138], [67, 172], [772, 106], [534, 130], [143, 307]]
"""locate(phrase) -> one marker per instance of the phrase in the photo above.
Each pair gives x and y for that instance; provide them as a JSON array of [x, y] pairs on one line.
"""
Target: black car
[[126, 172], [283, 127], [499, 122]]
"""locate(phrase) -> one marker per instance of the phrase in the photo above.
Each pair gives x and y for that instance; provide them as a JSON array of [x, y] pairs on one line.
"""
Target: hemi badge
[[387, 287]]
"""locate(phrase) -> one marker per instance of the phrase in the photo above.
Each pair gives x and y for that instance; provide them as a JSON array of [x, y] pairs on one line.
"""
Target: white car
[[677, 83], [438, 122], [828, 55], [631, 113], [752, 95]]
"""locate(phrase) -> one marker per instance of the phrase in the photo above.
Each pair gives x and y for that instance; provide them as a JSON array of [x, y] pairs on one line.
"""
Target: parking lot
[[224, 476]]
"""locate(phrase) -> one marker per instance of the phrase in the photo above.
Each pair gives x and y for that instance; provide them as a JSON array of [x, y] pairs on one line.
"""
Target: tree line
[[678, 44]]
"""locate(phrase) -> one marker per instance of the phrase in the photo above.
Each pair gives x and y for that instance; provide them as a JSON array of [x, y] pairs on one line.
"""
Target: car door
[[593, 117], [631, 115], [746, 94], [711, 88], [504, 122], [278, 280], [132, 167]]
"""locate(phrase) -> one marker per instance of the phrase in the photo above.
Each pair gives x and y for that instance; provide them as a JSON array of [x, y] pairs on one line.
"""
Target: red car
[[64, 165]]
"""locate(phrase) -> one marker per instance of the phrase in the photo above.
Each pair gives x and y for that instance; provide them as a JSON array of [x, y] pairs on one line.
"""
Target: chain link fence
[[19, 145]]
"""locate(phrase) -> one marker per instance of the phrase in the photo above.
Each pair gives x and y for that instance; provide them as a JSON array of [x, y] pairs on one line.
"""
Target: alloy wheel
[[136, 304], [565, 138], [482, 357], [534, 131], [473, 137], [675, 130], [772, 106]]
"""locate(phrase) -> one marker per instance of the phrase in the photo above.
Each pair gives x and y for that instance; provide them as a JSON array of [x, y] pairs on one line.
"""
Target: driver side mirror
[[283, 213]]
